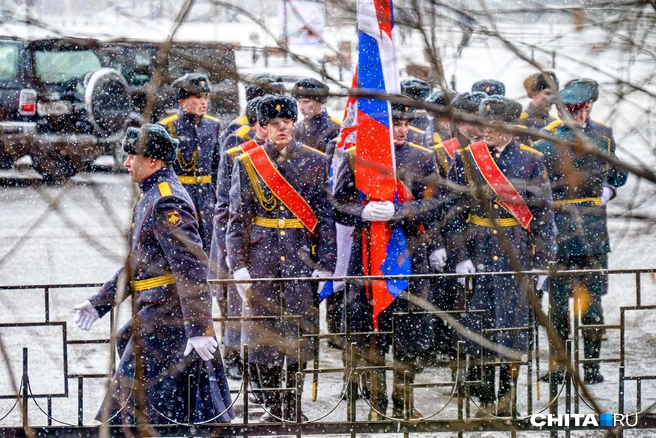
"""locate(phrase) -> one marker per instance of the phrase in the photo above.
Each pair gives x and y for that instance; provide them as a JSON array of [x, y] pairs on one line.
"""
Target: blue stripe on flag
[[370, 77], [327, 291], [397, 261]]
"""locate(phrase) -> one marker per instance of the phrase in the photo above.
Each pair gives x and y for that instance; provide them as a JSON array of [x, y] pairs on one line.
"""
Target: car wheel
[[54, 169]]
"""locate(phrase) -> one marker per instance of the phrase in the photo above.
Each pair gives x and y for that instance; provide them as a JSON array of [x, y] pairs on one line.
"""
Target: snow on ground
[[82, 240]]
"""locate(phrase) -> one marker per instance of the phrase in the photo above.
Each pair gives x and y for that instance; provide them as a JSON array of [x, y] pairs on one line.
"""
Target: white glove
[[541, 279], [205, 346], [606, 195], [466, 267], [242, 274], [378, 211], [438, 259], [319, 273], [86, 315], [339, 285]]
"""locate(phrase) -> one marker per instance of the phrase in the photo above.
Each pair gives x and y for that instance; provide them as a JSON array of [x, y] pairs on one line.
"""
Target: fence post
[[24, 390], [80, 401], [246, 381]]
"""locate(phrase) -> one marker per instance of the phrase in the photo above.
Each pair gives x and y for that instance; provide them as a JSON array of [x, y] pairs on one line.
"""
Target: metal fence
[[461, 421]]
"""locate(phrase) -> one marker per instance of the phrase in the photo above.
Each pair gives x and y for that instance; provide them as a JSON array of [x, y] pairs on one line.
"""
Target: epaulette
[[414, 128], [212, 118], [437, 146], [336, 121], [466, 148], [521, 126], [242, 156], [241, 121], [351, 149], [530, 149], [553, 125], [437, 138], [416, 146], [309, 148], [601, 123], [169, 120], [233, 151], [164, 189], [243, 132], [524, 116]]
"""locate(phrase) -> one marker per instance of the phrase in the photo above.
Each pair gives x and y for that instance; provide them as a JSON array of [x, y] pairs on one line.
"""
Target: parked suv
[[136, 60], [67, 101], [60, 104]]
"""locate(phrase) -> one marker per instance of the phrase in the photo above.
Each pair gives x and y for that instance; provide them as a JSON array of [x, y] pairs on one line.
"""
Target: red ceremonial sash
[[508, 196], [451, 145], [250, 144], [281, 188]]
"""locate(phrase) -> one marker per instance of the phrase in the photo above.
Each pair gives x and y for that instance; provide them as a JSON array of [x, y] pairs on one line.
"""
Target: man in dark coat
[[477, 222], [281, 225], [166, 275], [582, 185], [415, 167], [420, 125], [231, 305], [198, 154], [317, 128]]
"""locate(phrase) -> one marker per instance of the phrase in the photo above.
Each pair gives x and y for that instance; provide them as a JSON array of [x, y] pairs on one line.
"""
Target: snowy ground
[[82, 239]]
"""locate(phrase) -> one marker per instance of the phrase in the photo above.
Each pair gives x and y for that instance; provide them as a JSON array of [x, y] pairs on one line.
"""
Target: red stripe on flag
[[374, 163]]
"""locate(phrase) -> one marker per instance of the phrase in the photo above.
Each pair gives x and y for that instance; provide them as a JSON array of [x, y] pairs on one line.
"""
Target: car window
[[8, 61], [58, 67]]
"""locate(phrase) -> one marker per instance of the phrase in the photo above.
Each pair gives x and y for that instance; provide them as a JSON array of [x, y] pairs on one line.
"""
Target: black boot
[[233, 364], [507, 397], [290, 408], [483, 390], [592, 350], [255, 396], [271, 377], [558, 376], [378, 395], [404, 370]]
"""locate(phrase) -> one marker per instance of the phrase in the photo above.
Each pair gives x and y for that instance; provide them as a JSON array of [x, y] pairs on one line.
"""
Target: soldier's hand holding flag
[[378, 211]]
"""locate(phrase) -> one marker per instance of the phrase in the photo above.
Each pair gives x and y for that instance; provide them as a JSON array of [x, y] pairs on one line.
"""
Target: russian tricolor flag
[[384, 247]]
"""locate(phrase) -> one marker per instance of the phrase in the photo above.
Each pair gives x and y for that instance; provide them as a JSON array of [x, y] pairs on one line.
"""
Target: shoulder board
[[243, 132], [530, 149], [241, 121], [207, 116], [416, 146], [336, 121], [601, 123], [234, 151], [169, 120], [243, 156], [351, 149], [553, 125], [313, 149], [521, 126], [466, 148], [437, 138], [523, 116], [164, 189], [437, 146], [414, 128]]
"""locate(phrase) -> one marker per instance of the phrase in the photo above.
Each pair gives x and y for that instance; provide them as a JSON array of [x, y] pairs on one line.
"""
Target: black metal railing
[[462, 421]]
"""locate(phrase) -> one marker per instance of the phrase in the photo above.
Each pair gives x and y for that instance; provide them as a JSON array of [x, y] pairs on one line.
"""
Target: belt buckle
[[281, 223]]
